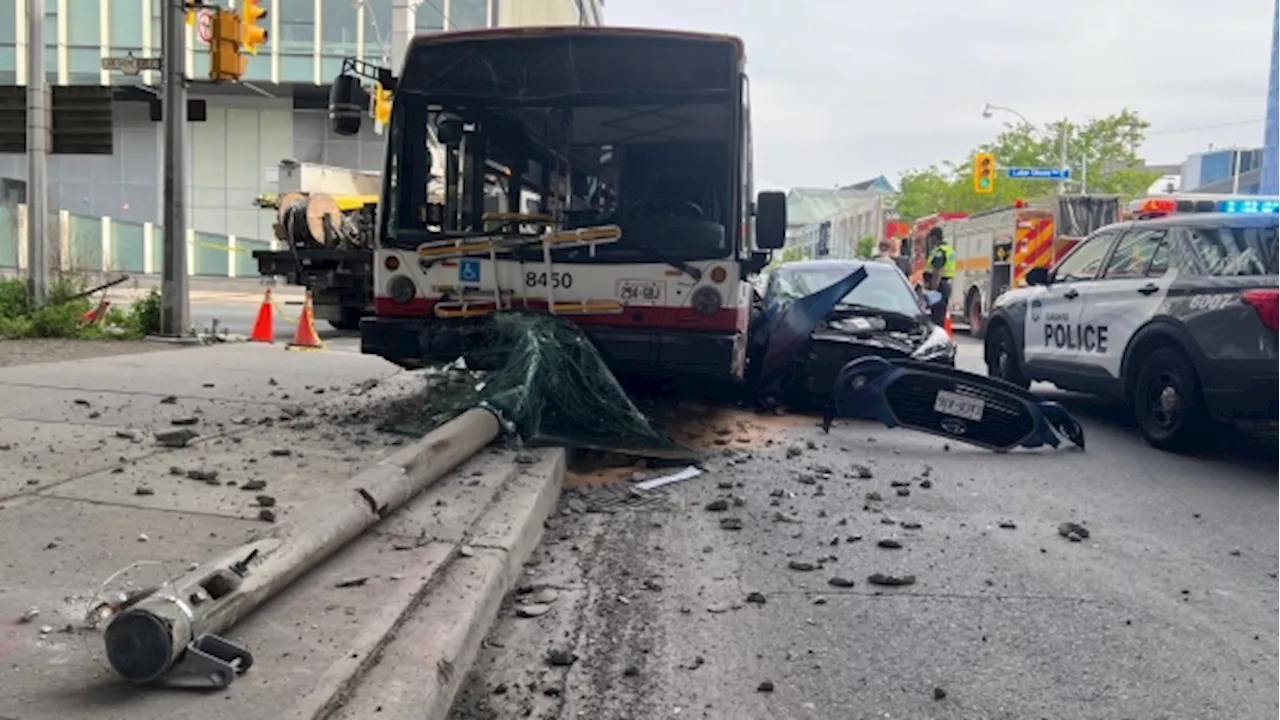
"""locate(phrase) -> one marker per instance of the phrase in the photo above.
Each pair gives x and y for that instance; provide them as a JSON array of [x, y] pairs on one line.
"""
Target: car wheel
[[1002, 358], [1166, 402], [977, 323]]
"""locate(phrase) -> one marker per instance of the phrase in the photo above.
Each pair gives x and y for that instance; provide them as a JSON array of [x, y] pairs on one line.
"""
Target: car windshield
[[884, 288]]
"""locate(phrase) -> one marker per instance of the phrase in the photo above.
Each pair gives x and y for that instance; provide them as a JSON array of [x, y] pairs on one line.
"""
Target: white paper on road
[[685, 474]]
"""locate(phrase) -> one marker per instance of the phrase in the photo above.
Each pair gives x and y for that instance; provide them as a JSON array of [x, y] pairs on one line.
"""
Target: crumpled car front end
[[843, 337]]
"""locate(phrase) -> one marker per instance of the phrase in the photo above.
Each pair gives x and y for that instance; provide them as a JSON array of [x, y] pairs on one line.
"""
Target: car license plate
[[957, 405], [641, 292]]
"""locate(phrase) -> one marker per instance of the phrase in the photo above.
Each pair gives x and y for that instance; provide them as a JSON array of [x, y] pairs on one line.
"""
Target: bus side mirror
[[449, 129], [348, 103], [1039, 276], [771, 220]]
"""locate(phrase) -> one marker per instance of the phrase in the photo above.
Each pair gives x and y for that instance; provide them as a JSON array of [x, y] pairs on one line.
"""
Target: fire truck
[[995, 249], [636, 145]]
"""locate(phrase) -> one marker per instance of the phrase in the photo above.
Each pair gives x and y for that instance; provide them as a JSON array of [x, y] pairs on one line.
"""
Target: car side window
[[1133, 254], [1160, 259], [1084, 262]]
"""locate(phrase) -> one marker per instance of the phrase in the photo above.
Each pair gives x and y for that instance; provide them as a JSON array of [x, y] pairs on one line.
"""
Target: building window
[[339, 26], [298, 26], [8, 27], [377, 29], [430, 17], [468, 14], [125, 25]]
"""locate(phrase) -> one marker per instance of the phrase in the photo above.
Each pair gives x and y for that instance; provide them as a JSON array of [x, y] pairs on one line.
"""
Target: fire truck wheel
[[973, 313]]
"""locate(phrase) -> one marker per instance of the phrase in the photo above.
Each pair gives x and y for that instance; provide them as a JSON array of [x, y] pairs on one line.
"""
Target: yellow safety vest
[[949, 260]]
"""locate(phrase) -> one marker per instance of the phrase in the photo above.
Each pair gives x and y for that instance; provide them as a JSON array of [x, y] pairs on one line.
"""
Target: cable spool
[[303, 220]]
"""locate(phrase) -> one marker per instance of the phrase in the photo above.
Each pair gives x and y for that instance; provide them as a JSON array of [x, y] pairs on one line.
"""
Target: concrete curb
[[420, 670]]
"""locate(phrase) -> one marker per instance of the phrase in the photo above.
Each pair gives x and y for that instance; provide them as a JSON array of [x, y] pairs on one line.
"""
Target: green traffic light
[[985, 182]]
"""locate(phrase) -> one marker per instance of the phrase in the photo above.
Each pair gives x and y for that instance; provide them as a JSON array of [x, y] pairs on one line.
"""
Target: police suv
[[1175, 315]]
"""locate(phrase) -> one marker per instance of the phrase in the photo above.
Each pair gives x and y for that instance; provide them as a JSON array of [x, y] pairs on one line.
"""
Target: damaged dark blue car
[[841, 331]]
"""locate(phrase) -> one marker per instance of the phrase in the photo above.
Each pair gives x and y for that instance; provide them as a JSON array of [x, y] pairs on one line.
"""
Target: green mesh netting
[[552, 384]]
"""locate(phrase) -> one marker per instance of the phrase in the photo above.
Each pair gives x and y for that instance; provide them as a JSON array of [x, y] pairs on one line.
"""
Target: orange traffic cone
[[264, 327], [946, 325], [97, 314], [306, 337]]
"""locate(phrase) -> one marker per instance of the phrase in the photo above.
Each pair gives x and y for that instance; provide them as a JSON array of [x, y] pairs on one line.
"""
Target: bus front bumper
[[642, 352]]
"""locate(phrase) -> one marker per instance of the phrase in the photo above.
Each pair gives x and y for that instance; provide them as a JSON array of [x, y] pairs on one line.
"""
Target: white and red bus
[[602, 174]]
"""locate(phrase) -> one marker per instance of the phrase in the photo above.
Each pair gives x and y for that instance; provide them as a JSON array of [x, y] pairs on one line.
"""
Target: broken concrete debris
[[1074, 532], [176, 438], [890, 580]]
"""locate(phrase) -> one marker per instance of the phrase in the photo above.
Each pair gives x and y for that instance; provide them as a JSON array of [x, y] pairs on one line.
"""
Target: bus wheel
[[973, 312]]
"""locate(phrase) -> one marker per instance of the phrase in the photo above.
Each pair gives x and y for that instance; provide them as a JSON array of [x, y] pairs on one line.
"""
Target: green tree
[[1101, 151], [866, 246]]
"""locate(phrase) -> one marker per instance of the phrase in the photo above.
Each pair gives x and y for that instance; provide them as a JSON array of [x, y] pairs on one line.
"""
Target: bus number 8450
[[541, 279]]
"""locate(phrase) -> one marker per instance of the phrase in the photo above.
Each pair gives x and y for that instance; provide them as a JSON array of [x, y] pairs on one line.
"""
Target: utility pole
[[174, 308], [37, 156]]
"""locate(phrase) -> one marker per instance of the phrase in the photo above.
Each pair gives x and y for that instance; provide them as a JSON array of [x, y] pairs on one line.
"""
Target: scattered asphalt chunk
[[169, 400], [910, 525], [874, 496], [81, 402], [185, 421], [899, 484], [204, 476], [939, 694], [558, 657], [926, 483], [1008, 525], [887, 580], [130, 435], [631, 671], [280, 452], [889, 544], [731, 523], [143, 490], [840, 582], [254, 485], [352, 582], [765, 686], [265, 501], [176, 438], [720, 505], [802, 566], [267, 515], [756, 598], [903, 492], [788, 518], [795, 451], [1073, 531], [862, 472]]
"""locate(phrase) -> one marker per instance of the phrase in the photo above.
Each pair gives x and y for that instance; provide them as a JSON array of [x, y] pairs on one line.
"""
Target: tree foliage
[[1101, 151], [866, 246]]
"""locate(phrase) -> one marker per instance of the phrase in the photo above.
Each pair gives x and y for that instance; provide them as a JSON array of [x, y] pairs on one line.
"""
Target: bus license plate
[[957, 405], [641, 292]]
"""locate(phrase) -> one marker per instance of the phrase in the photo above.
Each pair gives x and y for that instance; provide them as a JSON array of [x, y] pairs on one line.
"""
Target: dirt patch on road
[[31, 352], [709, 427]]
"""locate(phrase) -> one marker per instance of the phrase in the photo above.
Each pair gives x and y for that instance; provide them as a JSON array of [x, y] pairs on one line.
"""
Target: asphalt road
[[1167, 610]]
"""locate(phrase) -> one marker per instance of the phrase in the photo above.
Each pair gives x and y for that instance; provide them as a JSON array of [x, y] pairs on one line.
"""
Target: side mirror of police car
[[1039, 276]]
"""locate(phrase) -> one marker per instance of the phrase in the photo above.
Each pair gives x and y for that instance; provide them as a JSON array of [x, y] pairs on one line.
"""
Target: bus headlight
[[707, 300], [402, 289], [937, 346]]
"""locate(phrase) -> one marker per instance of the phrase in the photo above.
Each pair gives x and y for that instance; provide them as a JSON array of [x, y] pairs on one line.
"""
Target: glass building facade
[[1271, 142], [308, 38]]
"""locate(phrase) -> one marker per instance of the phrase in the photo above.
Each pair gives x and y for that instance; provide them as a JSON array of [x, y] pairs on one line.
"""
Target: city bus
[[600, 174]]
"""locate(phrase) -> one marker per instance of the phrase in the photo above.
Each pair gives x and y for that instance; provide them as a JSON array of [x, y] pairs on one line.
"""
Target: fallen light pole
[[176, 627]]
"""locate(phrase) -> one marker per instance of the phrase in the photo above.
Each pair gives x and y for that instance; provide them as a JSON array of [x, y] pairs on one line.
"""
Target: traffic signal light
[[984, 173], [252, 34], [381, 104], [190, 6], [226, 64]]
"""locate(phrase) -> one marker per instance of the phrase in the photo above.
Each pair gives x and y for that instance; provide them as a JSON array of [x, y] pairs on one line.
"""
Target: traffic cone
[[306, 337], [946, 325], [264, 327], [97, 314]]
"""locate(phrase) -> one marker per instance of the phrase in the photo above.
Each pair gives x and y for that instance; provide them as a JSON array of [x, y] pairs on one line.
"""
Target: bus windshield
[[643, 131]]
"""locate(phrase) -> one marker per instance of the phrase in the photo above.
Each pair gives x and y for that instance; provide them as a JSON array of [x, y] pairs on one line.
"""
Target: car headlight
[[937, 346]]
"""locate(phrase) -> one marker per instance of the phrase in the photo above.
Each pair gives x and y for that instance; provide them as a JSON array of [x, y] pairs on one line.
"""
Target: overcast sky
[[844, 90]]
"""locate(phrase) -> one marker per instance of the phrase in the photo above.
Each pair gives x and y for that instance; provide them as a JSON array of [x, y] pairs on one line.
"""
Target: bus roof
[[511, 33]]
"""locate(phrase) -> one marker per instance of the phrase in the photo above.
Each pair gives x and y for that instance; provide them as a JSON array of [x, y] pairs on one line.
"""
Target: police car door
[[1053, 336], [1129, 292]]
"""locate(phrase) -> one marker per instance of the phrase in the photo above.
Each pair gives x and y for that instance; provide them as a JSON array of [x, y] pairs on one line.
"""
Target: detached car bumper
[[413, 343]]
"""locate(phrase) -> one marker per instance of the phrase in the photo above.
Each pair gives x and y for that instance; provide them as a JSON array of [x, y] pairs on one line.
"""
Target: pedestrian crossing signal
[[984, 173]]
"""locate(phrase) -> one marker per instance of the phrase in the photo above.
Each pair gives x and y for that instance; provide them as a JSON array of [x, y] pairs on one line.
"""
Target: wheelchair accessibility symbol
[[469, 271]]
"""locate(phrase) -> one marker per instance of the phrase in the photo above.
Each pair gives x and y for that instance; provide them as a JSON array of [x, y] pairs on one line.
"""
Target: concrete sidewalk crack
[[130, 506]]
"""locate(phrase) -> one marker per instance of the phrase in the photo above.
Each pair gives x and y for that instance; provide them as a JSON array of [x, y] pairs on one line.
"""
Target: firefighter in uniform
[[942, 268]]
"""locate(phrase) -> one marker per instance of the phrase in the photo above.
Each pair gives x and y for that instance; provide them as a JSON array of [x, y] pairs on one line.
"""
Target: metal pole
[[147, 640], [1084, 174], [37, 156], [174, 311], [1062, 184], [1235, 172]]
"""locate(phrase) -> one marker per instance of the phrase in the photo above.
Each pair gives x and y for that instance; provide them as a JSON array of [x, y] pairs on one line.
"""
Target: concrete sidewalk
[[88, 492]]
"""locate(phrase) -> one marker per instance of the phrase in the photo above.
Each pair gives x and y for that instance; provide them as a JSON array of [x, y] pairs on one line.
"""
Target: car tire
[[1167, 404], [1002, 358], [973, 313]]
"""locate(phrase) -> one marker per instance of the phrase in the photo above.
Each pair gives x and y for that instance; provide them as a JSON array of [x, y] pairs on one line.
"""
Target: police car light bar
[[1242, 205]]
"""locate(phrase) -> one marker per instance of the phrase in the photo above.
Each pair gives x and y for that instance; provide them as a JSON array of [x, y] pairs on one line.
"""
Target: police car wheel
[[1166, 401], [1002, 358]]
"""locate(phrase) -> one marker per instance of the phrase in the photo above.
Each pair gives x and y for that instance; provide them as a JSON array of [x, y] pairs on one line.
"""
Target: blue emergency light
[[1249, 206]]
